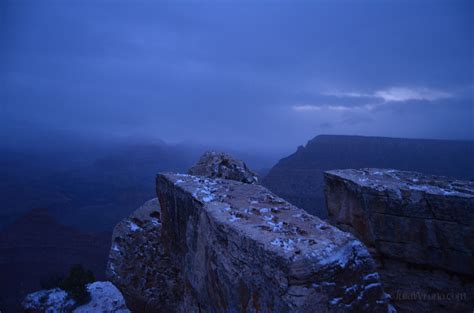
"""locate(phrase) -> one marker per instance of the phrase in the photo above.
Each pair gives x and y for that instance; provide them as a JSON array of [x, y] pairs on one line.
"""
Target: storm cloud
[[258, 75]]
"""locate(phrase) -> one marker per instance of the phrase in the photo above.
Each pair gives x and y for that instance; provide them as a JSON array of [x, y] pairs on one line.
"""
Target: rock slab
[[420, 227], [237, 247]]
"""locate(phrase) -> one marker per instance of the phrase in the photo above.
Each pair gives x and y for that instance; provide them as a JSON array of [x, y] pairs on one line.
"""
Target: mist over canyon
[[65, 201]]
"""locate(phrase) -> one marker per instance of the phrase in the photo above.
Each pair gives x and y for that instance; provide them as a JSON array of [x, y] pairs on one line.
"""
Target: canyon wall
[[299, 177], [419, 228]]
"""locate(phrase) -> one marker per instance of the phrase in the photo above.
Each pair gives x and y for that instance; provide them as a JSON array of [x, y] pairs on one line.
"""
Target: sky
[[257, 75]]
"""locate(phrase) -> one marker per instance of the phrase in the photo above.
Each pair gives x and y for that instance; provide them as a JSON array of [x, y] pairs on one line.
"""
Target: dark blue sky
[[249, 74]]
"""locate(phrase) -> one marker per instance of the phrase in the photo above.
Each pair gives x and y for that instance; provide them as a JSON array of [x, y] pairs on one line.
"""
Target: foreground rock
[[237, 247], [105, 298], [138, 265], [221, 165], [421, 228]]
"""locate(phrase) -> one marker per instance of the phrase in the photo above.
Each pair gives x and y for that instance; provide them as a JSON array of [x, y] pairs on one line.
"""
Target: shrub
[[75, 284]]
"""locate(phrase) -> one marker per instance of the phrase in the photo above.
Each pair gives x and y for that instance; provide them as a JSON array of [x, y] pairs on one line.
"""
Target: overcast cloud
[[257, 75]]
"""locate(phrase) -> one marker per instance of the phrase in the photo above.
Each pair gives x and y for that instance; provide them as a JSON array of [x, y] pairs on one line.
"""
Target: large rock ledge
[[421, 228], [238, 247]]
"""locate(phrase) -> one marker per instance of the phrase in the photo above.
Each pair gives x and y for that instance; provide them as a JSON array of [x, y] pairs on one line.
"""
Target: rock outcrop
[[219, 242], [420, 228], [221, 165], [238, 247], [298, 178], [138, 265], [220, 245], [105, 298]]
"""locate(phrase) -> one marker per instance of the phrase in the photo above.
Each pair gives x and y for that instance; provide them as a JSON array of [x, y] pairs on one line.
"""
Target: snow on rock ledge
[[420, 228], [238, 247], [137, 263], [421, 219], [105, 298]]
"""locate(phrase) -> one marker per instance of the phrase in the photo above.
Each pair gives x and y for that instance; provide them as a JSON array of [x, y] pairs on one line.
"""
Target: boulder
[[420, 227], [105, 298], [221, 165], [52, 300]]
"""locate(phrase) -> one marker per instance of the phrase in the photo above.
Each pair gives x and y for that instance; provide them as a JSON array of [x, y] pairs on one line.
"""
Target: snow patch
[[287, 244], [134, 227]]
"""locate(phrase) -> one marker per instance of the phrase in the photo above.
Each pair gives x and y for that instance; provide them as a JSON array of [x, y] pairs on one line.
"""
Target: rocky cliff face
[[138, 265], [420, 228], [219, 245], [298, 178]]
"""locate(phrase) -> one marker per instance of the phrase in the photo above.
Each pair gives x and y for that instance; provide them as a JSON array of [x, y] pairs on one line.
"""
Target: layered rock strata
[[420, 228]]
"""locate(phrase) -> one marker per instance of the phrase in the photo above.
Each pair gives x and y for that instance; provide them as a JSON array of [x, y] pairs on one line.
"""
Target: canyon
[[214, 240], [299, 177]]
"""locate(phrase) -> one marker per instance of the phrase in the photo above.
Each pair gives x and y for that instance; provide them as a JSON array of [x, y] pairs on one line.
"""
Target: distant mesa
[[298, 178]]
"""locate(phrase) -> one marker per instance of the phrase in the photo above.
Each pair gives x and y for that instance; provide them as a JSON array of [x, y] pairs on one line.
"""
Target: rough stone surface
[[137, 263], [52, 300], [420, 228], [221, 165], [105, 298], [238, 247]]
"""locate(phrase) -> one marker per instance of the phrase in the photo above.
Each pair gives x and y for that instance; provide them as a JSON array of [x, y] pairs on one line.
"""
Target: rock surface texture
[[420, 228], [238, 247], [105, 298], [220, 245], [221, 165], [138, 265]]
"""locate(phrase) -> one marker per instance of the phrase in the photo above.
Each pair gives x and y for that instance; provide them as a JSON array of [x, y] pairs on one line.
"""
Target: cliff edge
[[221, 245]]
